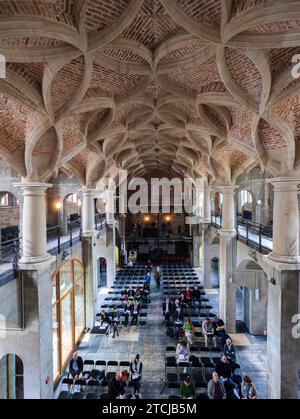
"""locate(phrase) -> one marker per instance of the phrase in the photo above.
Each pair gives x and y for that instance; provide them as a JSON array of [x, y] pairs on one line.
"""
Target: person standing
[[157, 277], [136, 368]]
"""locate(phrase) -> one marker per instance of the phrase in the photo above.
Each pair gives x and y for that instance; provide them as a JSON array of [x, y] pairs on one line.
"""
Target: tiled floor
[[150, 342]]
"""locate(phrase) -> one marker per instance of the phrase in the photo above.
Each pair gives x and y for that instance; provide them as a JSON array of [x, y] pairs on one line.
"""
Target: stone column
[[88, 253], [110, 254], [88, 212], [207, 206], [206, 255], [110, 207], [34, 343], [283, 345], [227, 258], [122, 230], [205, 239], [34, 230], [196, 244], [89, 260], [285, 221], [266, 209]]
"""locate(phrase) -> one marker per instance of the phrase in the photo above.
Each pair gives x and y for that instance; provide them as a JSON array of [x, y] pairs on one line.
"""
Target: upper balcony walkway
[[257, 236], [60, 238]]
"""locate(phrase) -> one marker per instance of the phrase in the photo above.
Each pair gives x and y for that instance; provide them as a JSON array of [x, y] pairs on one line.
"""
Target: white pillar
[[227, 257], [110, 207], [285, 220], [88, 212], [207, 206], [228, 209], [34, 230]]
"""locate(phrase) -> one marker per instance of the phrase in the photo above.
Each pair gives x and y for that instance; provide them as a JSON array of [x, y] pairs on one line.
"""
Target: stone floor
[[252, 358], [150, 342]]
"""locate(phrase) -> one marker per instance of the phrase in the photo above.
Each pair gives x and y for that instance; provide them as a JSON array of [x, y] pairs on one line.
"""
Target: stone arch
[[250, 282], [251, 205], [9, 199], [71, 209], [101, 272], [12, 377], [10, 215], [216, 241]]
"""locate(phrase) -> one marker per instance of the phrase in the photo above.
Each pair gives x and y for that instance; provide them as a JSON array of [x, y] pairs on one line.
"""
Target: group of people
[[226, 383], [118, 383], [121, 380], [186, 299]]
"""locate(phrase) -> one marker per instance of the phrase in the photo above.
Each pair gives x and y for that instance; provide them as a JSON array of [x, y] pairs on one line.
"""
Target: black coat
[[116, 388], [223, 369], [171, 307], [80, 366]]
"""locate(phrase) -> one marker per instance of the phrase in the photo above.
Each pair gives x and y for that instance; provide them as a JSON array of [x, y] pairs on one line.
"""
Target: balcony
[[255, 235]]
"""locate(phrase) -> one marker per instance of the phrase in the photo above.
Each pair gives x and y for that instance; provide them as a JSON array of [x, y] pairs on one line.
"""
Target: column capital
[[285, 183], [87, 190], [227, 189], [35, 188]]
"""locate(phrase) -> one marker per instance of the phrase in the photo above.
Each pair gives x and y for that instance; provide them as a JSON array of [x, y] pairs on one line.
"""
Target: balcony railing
[[255, 235], [59, 239]]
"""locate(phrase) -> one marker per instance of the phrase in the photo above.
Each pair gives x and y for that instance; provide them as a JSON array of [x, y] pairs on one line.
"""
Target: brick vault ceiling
[[191, 87]]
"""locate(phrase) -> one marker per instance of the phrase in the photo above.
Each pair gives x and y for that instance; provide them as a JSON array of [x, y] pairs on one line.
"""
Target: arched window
[[245, 197], [7, 199], [72, 199], [12, 377], [68, 312]]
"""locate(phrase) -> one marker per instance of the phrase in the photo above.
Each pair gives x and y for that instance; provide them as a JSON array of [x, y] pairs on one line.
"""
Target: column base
[[89, 233], [38, 263], [283, 263], [230, 234]]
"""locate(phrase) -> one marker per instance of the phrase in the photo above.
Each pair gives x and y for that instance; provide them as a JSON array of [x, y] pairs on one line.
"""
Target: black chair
[[207, 362], [171, 362], [78, 395], [64, 395], [66, 382], [198, 380], [124, 364], [112, 368], [94, 384], [172, 380], [91, 396]]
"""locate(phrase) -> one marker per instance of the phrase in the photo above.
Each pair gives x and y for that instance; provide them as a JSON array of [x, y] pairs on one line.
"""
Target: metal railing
[[59, 239], [255, 235], [216, 220]]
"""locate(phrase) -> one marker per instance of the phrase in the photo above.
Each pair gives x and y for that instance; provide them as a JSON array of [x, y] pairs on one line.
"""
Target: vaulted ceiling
[[190, 87]]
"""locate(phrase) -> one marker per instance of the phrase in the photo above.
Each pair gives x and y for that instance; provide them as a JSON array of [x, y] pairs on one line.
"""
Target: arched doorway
[[217, 202], [215, 272], [246, 205], [68, 312], [12, 377], [9, 222], [71, 209], [102, 272], [251, 299]]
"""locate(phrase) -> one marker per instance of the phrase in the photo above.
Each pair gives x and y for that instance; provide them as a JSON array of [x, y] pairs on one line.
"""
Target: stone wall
[[254, 181], [9, 216]]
